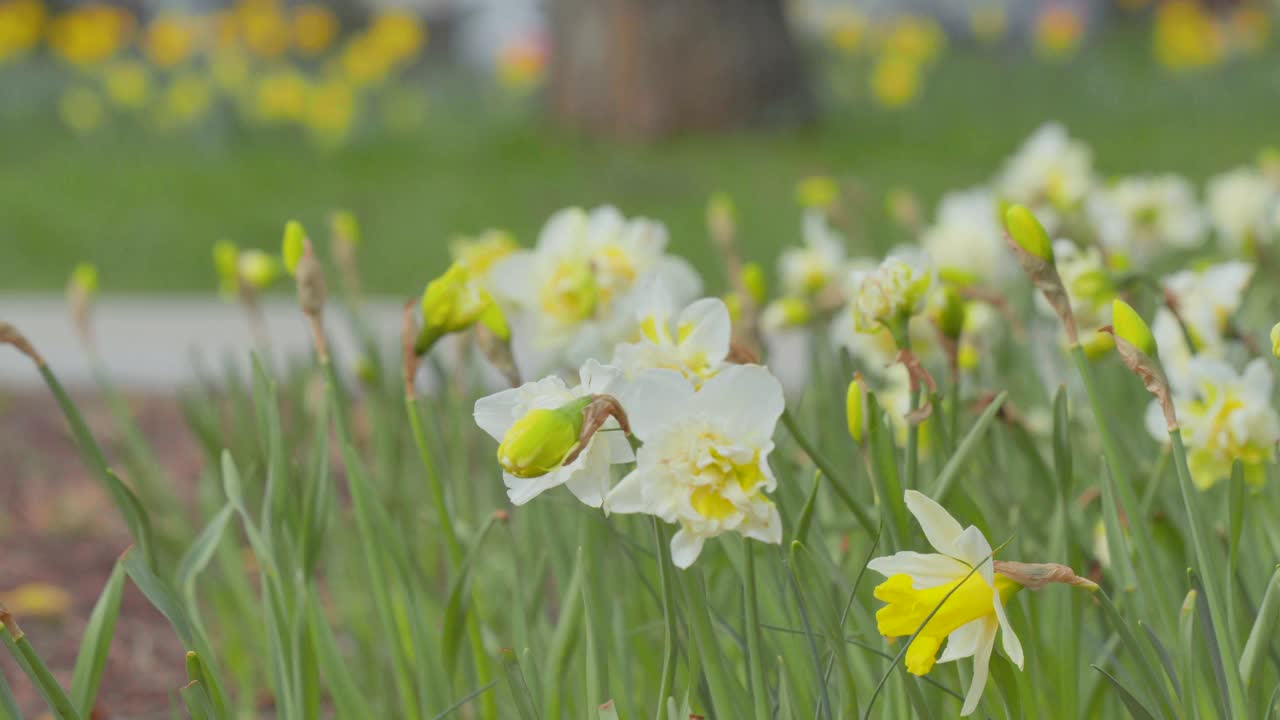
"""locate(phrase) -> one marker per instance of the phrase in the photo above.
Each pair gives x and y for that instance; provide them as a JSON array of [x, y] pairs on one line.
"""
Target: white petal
[[981, 666], [590, 481], [685, 548], [964, 641], [939, 527], [1257, 379], [513, 280], [1008, 638], [522, 490], [628, 496], [680, 278], [926, 571], [749, 396], [496, 413], [599, 379], [708, 330], [972, 548], [654, 399]]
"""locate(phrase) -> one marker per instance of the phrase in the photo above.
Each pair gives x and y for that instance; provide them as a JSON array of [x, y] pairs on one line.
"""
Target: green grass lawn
[[146, 208]]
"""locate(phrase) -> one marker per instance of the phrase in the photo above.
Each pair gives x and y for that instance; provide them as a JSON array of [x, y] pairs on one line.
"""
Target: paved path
[[154, 343]]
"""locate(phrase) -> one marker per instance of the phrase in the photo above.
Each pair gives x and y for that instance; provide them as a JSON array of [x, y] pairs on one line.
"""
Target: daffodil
[[1224, 416], [539, 424], [1241, 203], [21, 22], [1140, 217], [966, 241], [1051, 174], [896, 291], [579, 285], [1207, 299], [968, 620], [694, 343], [808, 269], [704, 464]]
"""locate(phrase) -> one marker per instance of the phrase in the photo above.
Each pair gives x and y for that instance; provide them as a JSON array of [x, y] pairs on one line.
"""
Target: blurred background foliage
[[137, 138]]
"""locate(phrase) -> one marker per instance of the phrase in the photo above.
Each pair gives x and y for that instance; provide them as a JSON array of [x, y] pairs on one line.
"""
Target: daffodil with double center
[[694, 342]]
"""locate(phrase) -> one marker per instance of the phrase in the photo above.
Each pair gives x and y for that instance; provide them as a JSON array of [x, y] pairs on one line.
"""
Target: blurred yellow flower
[[398, 34], [1250, 27], [37, 600], [90, 34], [364, 62], [331, 111], [988, 22], [21, 22], [522, 65], [1058, 31], [848, 29], [314, 28], [170, 40], [128, 84], [281, 95], [914, 38], [81, 109], [1186, 36], [817, 191], [264, 28], [895, 80], [187, 99]]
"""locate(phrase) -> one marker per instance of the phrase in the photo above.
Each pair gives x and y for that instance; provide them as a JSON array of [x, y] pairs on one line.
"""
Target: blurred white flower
[[966, 241], [1224, 416], [1050, 174], [579, 284], [818, 263], [705, 459], [587, 477], [1242, 206], [968, 620], [1208, 298], [694, 343], [1140, 217], [894, 292]]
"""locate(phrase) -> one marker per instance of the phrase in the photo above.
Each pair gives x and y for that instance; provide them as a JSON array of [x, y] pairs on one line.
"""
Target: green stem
[[480, 659], [35, 668], [825, 467], [666, 688], [759, 690], [1213, 590]]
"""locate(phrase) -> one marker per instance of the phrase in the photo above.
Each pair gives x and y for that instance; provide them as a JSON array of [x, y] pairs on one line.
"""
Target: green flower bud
[[950, 313], [295, 244], [1027, 231], [1275, 340], [344, 225], [754, 280], [84, 279], [226, 262], [721, 215], [539, 442], [855, 409], [1130, 327], [453, 302], [258, 269]]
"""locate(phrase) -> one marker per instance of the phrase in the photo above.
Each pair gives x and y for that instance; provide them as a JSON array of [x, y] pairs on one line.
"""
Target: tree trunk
[[648, 68]]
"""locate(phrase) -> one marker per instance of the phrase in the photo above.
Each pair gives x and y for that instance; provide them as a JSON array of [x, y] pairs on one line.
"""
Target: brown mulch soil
[[58, 526]]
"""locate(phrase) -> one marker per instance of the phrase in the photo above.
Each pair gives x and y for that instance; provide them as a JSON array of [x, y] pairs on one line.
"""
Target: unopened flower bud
[[786, 312], [818, 191], [949, 313], [753, 279], [257, 269], [226, 263], [453, 302], [540, 441], [1027, 231], [344, 227], [855, 409], [1275, 340], [1130, 327], [721, 217], [293, 246]]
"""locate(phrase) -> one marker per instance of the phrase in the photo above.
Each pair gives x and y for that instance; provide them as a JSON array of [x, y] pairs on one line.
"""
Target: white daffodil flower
[[894, 292], [1224, 416], [578, 284], [817, 264], [1140, 217], [705, 460], [968, 620], [1050, 174], [548, 437], [694, 343], [1208, 298], [966, 241], [1241, 206]]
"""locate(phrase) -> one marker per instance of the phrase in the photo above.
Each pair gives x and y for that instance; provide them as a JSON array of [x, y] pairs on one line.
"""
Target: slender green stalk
[[20, 647], [666, 688], [480, 659], [828, 470], [759, 690], [1204, 566]]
